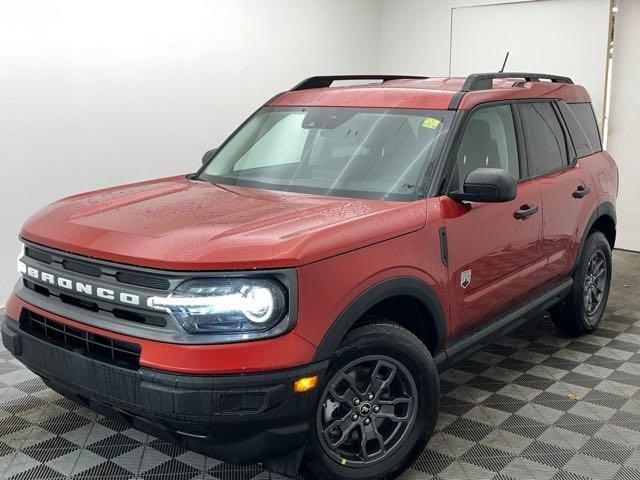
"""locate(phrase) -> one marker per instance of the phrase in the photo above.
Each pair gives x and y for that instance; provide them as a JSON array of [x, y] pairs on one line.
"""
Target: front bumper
[[236, 418]]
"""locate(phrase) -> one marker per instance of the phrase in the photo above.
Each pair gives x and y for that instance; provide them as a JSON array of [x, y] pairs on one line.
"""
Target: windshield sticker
[[430, 122]]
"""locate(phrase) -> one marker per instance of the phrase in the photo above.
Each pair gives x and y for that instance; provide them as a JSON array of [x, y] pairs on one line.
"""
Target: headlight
[[225, 305]]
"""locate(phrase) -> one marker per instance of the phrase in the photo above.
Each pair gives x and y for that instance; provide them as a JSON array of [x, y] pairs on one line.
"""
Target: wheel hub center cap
[[365, 409]]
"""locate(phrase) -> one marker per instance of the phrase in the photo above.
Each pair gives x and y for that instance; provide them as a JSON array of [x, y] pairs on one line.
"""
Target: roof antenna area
[[504, 64]]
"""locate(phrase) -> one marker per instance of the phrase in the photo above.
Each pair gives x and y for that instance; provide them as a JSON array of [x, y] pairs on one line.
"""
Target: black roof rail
[[327, 80], [484, 81]]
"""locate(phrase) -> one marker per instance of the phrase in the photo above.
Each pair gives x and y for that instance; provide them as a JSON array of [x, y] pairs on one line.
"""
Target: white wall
[[481, 35], [542, 35], [415, 35], [624, 121], [100, 93]]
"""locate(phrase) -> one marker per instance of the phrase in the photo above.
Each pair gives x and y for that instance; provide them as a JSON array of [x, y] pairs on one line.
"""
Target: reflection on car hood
[[176, 223]]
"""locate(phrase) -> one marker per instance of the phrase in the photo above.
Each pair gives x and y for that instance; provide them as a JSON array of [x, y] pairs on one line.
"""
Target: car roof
[[439, 93]]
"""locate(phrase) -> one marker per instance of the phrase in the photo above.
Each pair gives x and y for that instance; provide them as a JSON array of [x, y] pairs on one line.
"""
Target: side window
[[587, 119], [544, 138], [488, 141], [580, 141]]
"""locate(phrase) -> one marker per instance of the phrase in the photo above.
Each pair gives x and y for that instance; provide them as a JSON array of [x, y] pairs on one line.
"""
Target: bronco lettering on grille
[[78, 286]]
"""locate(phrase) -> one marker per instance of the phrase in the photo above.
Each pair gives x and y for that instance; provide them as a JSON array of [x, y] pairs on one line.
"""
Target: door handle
[[524, 211], [581, 192]]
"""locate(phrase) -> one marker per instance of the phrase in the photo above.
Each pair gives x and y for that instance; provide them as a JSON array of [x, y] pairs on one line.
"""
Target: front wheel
[[584, 307], [378, 406]]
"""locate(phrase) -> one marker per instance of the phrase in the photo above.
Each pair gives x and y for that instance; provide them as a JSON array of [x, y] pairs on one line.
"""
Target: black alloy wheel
[[377, 405], [595, 282], [584, 307], [367, 409]]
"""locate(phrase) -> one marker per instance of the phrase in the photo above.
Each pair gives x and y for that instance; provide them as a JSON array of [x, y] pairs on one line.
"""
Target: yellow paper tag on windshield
[[430, 122]]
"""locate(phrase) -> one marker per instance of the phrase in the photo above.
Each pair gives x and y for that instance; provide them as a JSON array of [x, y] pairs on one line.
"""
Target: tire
[[575, 316], [375, 355]]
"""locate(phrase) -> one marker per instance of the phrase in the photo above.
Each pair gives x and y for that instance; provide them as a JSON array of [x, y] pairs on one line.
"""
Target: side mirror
[[208, 155], [487, 185]]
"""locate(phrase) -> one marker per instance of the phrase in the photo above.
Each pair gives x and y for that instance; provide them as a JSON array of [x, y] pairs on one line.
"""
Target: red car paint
[[340, 246], [181, 224]]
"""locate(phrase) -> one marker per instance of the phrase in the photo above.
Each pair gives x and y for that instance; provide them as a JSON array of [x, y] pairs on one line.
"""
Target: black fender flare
[[391, 287], [605, 209]]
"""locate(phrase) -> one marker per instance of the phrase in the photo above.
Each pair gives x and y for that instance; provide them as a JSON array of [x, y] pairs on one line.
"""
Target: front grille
[[97, 271], [76, 301], [38, 255], [98, 347], [79, 302], [142, 280], [81, 267]]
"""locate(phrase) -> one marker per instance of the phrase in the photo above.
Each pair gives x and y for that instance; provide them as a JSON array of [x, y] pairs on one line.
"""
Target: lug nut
[[354, 417], [356, 401], [376, 409], [367, 421], [370, 396]]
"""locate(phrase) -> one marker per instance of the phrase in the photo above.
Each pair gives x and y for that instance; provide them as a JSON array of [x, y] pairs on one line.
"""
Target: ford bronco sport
[[292, 302]]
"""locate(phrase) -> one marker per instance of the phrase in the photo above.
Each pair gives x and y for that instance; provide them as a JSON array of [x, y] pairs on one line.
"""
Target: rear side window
[[580, 141], [587, 119], [544, 138]]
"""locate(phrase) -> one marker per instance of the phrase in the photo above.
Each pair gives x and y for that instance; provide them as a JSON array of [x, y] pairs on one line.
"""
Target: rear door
[[493, 256], [565, 186]]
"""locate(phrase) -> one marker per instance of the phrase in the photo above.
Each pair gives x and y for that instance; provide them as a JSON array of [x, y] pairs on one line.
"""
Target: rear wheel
[[584, 307], [378, 406]]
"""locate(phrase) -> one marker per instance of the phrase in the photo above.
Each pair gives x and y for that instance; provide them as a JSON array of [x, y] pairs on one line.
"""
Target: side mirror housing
[[487, 185], [208, 155]]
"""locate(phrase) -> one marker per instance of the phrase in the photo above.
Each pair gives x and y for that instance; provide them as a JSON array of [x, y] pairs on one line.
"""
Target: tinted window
[[587, 119], [488, 141], [544, 138], [578, 136], [358, 152]]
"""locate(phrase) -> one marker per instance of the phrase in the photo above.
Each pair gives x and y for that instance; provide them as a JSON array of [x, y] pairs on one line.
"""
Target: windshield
[[357, 152]]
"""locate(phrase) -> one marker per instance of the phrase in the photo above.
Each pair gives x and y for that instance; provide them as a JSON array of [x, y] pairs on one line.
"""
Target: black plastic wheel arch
[[389, 288]]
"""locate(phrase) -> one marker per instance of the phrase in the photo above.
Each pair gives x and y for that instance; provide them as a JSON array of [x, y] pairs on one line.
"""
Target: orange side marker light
[[305, 384]]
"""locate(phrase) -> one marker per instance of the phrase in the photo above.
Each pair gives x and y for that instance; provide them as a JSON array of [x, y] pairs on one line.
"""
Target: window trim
[[572, 156], [451, 149], [522, 150]]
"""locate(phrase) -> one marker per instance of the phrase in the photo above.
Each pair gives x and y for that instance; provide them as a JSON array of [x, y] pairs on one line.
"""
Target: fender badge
[[465, 278]]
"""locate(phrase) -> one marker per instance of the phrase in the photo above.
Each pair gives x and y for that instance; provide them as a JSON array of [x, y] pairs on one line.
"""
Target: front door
[[494, 248]]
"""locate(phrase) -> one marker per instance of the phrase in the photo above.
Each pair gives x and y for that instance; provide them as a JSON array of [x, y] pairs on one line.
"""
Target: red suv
[[292, 302]]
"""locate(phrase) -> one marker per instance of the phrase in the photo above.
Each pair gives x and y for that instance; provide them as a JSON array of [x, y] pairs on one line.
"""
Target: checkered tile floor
[[534, 405]]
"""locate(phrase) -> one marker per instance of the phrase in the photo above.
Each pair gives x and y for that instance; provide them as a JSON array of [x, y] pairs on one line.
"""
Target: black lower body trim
[[236, 418], [488, 332]]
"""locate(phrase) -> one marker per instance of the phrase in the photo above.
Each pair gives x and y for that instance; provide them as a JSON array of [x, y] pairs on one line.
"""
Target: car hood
[[182, 224]]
